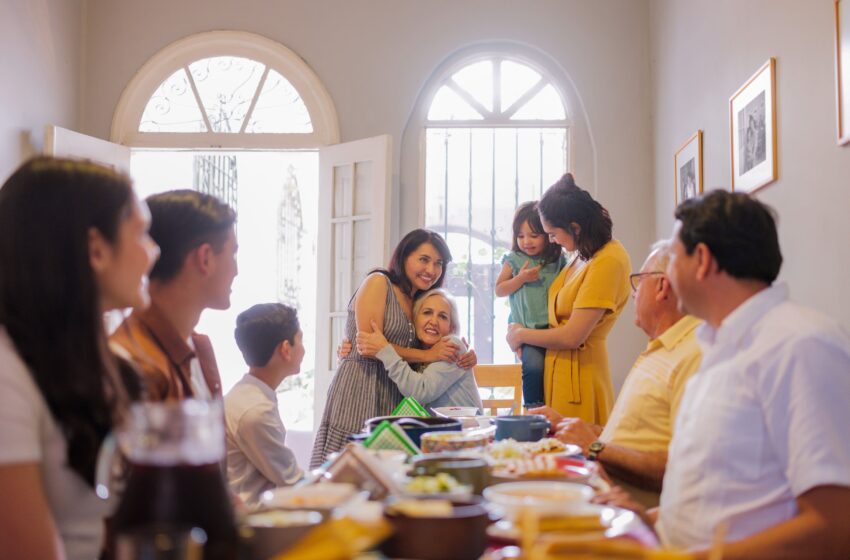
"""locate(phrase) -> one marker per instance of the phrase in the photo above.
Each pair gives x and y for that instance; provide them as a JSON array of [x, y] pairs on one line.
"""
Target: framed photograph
[[752, 128], [687, 163], [842, 68]]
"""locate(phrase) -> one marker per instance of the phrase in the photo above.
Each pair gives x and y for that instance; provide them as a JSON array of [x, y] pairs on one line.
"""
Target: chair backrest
[[498, 376]]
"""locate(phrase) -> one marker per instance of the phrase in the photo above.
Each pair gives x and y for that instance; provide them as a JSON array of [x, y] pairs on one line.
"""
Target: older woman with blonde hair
[[435, 317]]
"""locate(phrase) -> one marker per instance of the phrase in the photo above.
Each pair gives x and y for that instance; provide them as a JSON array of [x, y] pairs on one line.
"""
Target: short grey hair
[[454, 315], [660, 254]]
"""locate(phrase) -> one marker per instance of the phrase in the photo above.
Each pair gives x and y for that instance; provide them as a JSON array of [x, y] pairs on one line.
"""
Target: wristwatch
[[594, 449]]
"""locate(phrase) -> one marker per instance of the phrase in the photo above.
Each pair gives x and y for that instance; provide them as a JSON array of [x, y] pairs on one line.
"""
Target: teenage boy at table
[[760, 451], [197, 264], [633, 444], [270, 339]]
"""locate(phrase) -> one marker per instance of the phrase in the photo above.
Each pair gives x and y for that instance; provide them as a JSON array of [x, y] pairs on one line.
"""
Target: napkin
[[391, 436], [410, 407]]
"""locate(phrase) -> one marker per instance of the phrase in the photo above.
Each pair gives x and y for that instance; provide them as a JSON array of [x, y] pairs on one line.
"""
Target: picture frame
[[687, 169], [842, 70], [752, 130]]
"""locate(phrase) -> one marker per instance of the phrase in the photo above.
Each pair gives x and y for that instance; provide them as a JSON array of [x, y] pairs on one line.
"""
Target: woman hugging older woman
[[436, 384], [362, 388]]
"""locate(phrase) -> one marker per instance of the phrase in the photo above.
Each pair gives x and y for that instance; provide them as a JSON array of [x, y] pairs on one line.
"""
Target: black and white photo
[[688, 165], [752, 130]]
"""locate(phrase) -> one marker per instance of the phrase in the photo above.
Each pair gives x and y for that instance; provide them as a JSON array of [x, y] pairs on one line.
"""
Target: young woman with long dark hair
[[73, 244]]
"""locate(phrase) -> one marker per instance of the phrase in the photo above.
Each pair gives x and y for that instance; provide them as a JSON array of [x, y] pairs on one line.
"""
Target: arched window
[[497, 133], [225, 89]]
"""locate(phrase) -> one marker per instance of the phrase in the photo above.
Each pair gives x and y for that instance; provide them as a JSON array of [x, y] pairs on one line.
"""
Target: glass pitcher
[[175, 452]]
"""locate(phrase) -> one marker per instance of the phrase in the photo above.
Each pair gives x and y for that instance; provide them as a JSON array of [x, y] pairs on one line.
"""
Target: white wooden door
[[354, 189], [61, 142]]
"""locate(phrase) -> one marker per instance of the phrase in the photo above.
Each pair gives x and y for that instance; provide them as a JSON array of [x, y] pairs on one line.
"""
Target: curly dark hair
[[565, 203]]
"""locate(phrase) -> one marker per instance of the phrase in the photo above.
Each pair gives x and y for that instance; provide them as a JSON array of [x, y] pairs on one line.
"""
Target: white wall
[[702, 52], [40, 64], [374, 56]]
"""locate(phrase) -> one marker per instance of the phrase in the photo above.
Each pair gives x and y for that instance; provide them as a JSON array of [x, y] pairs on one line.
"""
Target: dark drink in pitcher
[[176, 483], [181, 496]]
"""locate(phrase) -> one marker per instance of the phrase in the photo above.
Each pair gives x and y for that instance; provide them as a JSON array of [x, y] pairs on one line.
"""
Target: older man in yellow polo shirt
[[633, 444]]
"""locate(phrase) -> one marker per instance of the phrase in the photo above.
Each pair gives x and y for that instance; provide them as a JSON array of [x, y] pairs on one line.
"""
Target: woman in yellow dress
[[585, 300]]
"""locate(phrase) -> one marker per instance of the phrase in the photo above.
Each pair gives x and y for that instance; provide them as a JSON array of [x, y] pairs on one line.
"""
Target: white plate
[[545, 497], [323, 496], [615, 521]]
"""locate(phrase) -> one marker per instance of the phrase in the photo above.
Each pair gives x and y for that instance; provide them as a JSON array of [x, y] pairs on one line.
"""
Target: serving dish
[[544, 498]]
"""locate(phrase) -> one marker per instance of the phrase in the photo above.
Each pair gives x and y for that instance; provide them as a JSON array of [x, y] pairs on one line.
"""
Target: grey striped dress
[[361, 388]]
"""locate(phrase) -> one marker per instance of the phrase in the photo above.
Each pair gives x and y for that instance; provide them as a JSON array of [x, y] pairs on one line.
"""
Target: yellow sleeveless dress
[[577, 382]]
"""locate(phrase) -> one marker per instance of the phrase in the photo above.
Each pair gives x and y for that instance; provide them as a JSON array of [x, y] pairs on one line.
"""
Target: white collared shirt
[[257, 457], [200, 389], [762, 422]]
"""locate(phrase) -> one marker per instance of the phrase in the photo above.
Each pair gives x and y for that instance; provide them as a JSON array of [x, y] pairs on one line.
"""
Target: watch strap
[[594, 449]]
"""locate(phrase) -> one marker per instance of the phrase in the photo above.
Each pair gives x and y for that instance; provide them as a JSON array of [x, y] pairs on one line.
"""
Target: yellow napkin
[[338, 539]]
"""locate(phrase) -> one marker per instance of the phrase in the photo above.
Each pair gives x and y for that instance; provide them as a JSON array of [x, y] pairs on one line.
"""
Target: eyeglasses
[[635, 279]]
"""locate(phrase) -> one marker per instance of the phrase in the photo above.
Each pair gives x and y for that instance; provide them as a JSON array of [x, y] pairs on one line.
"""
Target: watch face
[[596, 446]]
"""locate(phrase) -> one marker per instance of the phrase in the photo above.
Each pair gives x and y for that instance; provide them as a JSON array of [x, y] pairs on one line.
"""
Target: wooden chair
[[499, 376]]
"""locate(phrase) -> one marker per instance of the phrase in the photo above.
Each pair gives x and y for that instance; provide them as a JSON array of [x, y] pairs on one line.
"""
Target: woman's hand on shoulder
[[370, 343], [444, 351], [468, 359]]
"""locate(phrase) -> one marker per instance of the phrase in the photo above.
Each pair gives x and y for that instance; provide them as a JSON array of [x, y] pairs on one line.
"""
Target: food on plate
[[422, 508], [433, 442], [315, 496], [507, 449], [543, 466], [441, 483], [553, 523], [546, 445], [279, 518]]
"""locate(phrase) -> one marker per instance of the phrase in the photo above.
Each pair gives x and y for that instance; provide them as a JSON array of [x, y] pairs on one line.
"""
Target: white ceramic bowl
[[456, 411], [510, 498]]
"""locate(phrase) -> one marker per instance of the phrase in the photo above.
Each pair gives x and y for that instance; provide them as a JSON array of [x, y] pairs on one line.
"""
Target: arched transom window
[[225, 90], [226, 94], [497, 134]]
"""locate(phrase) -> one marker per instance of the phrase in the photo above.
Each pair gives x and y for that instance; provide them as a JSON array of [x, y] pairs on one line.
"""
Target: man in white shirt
[[270, 339], [760, 450], [633, 444]]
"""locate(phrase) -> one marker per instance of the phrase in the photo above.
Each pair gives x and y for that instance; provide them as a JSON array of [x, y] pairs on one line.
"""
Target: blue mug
[[531, 427]]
